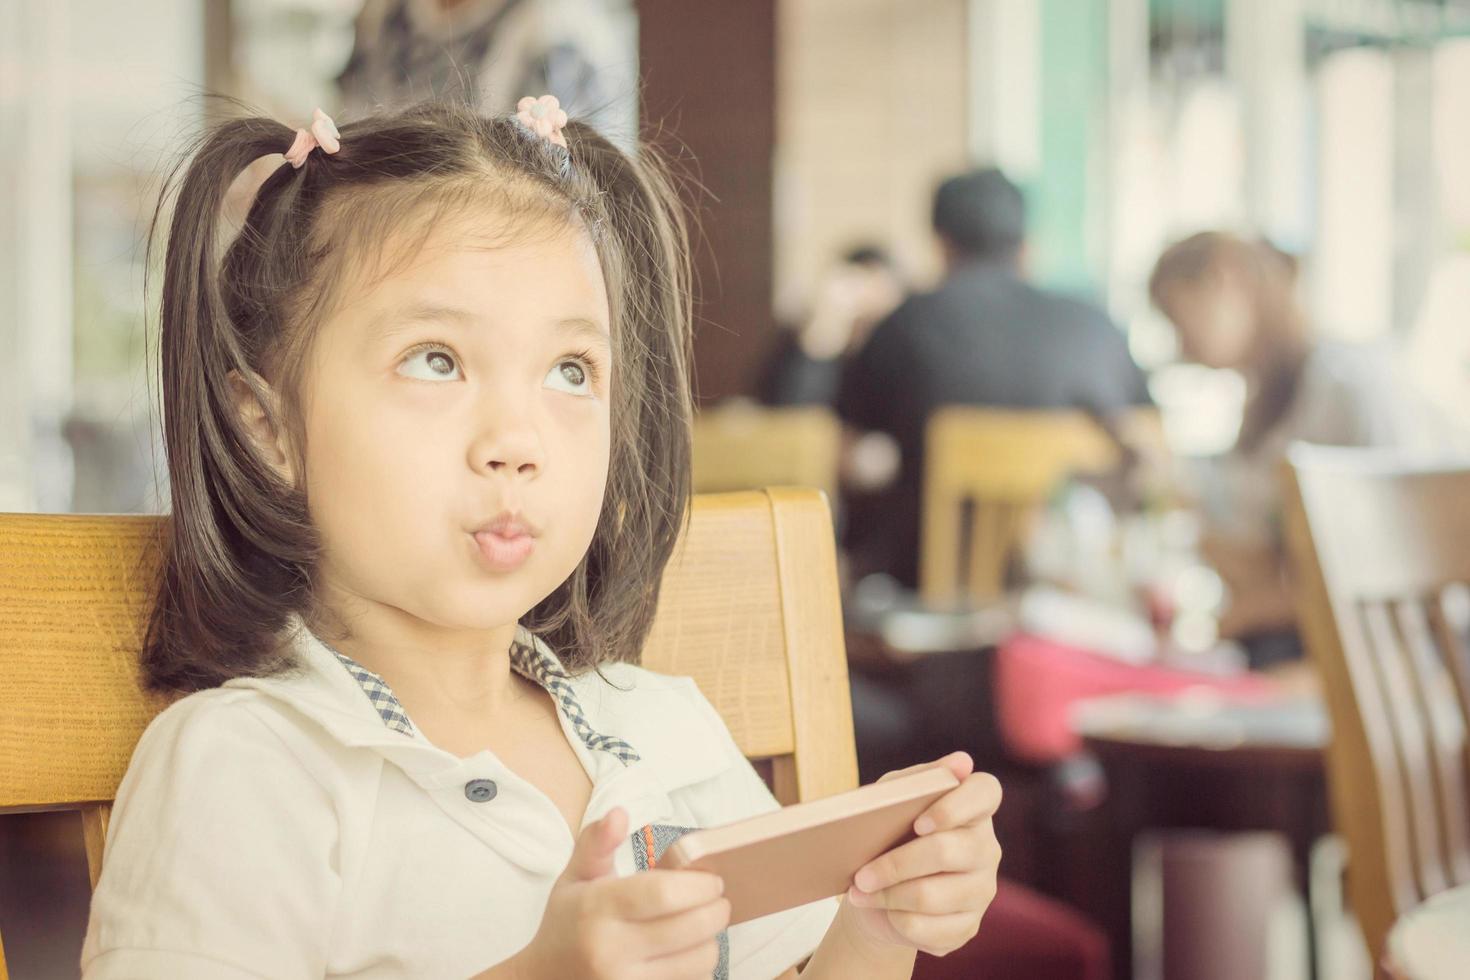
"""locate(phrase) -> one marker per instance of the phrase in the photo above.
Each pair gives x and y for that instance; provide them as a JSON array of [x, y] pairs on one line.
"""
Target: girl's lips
[[503, 552]]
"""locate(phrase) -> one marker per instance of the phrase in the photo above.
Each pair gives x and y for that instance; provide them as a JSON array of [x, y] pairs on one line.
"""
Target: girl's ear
[[269, 442]]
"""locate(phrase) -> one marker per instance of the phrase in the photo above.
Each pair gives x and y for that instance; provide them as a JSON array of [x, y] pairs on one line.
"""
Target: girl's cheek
[[580, 414]]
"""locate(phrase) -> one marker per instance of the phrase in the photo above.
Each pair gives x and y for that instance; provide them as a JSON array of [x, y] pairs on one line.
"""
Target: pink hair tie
[[544, 117], [323, 134]]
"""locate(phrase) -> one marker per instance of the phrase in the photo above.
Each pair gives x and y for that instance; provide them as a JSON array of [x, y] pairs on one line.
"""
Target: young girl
[[427, 424]]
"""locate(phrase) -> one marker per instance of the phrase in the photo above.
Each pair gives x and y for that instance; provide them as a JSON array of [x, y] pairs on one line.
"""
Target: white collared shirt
[[300, 826]]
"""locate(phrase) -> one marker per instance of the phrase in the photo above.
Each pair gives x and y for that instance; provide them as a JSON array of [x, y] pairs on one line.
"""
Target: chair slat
[[1455, 650], [1369, 804], [1445, 729], [1456, 657], [1410, 743]]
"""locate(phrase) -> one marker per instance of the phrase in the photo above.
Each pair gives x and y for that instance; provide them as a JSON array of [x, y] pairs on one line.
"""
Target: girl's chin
[[480, 603]]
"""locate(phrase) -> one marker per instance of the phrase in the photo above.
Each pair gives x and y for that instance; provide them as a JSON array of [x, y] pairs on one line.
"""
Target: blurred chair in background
[[1381, 554], [744, 447], [987, 473]]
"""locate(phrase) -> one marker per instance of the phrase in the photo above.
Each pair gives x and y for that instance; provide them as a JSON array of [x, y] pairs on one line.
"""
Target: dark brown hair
[[1282, 335], [239, 550]]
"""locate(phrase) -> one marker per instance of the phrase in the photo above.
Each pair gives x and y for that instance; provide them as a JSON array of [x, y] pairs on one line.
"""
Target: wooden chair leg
[[940, 546], [989, 546], [94, 831]]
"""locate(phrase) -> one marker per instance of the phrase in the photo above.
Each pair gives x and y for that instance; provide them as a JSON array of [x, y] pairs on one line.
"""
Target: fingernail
[[923, 825], [856, 897], [865, 880]]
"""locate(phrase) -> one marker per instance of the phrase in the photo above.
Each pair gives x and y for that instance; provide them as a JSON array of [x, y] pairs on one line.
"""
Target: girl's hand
[[930, 893], [656, 925]]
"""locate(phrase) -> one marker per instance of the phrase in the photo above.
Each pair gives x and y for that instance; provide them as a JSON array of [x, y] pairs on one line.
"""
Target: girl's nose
[[514, 467], [511, 448]]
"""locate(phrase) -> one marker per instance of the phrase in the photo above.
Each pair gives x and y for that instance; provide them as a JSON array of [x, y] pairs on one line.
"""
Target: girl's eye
[[574, 375], [439, 364]]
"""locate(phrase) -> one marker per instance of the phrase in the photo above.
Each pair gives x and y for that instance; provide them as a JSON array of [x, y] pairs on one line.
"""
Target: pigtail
[[236, 540], [646, 505]]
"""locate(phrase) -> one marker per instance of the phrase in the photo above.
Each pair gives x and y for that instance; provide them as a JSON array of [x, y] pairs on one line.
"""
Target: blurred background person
[[1234, 305], [481, 52], [983, 336], [854, 294], [490, 52]]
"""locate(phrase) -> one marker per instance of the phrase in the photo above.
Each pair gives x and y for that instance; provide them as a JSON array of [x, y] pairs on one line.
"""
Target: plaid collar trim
[[532, 659], [377, 691]]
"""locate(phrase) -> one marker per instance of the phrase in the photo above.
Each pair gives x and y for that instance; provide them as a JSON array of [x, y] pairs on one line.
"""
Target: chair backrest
[[1381, 554], [994, 467], [745, 447], [749, 608]]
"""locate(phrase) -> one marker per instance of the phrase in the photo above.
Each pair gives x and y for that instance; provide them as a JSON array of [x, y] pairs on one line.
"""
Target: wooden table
[[1199, 764], [1432, 941]]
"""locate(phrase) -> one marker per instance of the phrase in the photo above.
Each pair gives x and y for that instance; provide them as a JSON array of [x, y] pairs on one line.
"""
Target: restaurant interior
[[1126, 342]]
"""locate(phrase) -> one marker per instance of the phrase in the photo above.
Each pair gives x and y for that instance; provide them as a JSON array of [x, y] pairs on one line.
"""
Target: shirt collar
[[530, 657], [680, 738], [359, 708]]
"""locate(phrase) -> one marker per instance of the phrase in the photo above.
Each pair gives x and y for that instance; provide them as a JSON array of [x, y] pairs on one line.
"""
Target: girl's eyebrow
[[586, 330], [398, 319], [395, 320]]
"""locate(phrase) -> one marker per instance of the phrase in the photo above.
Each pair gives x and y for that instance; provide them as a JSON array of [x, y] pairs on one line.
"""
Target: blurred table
[[922, 685], [1432, 942], [894, 627], [1203, 763]]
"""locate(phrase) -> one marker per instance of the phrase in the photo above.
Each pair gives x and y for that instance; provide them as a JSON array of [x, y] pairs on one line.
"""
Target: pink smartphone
[[807, 851]]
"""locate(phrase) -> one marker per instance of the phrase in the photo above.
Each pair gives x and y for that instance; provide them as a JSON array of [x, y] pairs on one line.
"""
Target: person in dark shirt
[[985, 336]]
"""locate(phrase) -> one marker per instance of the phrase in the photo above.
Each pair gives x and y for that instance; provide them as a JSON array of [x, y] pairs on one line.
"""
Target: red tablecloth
[[1038, 680]]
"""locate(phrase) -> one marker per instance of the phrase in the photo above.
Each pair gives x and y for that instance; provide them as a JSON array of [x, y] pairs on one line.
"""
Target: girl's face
[[473, 384], [1214, 318]]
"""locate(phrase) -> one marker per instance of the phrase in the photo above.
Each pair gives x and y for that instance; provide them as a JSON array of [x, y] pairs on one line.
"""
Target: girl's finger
[[955, 761], [946, 850], [697, 961], [935, 934], [941, 894], [675, 933], [977, 798], [659, 892]]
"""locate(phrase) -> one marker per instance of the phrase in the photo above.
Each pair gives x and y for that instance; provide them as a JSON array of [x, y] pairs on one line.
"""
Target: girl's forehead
[[552, 270]]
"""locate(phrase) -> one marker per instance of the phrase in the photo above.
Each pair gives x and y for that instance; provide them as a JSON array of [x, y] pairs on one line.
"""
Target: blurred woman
[[1234, 305]]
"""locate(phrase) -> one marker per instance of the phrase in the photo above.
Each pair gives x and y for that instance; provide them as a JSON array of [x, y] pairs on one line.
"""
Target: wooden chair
[[997, 467], [746, 447], [1376, 549], [749, 608]]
